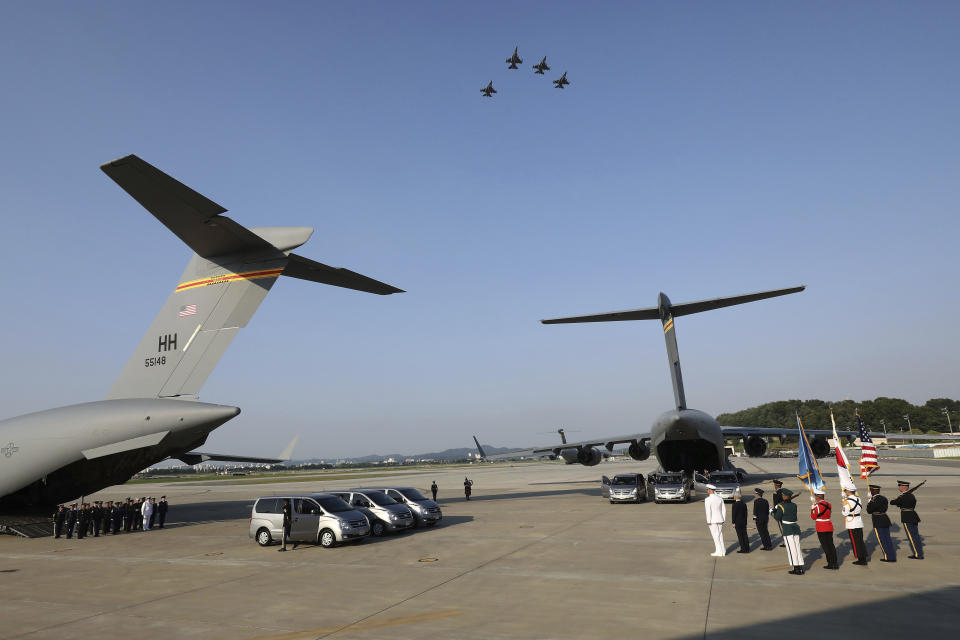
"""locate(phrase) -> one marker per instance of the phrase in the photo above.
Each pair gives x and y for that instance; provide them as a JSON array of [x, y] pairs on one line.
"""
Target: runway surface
[[537, 553]]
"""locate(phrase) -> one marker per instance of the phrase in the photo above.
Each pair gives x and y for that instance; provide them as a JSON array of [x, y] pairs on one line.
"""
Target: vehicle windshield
[[726, 478], [380, 499], [669, 480], [632, 480], [412, 494], [333, 504]]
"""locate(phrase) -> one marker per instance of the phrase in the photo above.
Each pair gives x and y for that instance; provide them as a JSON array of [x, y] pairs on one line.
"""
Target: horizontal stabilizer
[[192, 217], [307, 269], [682, 309], [196, 457]]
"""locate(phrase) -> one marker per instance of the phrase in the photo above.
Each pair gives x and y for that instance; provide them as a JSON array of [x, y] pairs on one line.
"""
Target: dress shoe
[[742, 551], [886, 560], [766, 548], [862, 563], [794, 572]]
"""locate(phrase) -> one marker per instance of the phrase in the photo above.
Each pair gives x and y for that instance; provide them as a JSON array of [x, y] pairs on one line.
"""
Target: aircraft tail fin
[[665, 311], [224, 283], [483, 454]]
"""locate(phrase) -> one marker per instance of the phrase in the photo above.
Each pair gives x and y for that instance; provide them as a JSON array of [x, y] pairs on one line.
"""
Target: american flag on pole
[[868, 452], [188, 310]]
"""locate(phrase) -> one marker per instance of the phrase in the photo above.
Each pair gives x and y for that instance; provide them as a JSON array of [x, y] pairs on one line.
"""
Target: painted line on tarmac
[[363, 626]]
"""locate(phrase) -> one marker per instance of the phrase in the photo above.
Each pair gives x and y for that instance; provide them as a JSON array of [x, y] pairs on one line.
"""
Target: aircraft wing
[[605, 444], [734, 432], [196, 457]]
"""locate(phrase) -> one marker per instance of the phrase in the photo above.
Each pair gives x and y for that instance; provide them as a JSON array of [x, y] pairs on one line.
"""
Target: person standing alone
[[433, 490], [467, 487], [716, 515]]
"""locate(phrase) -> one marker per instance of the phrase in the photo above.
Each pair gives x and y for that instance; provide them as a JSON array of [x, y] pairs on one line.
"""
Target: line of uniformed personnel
[[785, 514], [82, 520]]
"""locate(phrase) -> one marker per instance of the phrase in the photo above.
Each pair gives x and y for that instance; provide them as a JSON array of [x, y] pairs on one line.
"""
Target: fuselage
[[688, 440], [59, 454]]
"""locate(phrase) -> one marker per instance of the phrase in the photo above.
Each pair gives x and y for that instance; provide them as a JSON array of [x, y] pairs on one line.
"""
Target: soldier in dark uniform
[[286, 525], [877, 507], [738, 515], [96, 515], [116, 514], [128, 515], [777, 499], [467, 487], [761, 517], [106, 517], [162, 507], [138, 514], [83, 520], [71, 520], [433, 490], [59, 518], [909, 518]]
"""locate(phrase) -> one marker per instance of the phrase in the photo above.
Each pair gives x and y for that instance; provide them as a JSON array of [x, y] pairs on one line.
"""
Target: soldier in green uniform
[[785, 513]]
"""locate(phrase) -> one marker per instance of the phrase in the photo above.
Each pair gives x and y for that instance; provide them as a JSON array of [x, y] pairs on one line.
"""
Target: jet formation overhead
[[151, 413], [538, 68]]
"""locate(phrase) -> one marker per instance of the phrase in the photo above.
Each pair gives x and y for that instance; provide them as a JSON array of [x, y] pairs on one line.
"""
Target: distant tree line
[[815, 414]]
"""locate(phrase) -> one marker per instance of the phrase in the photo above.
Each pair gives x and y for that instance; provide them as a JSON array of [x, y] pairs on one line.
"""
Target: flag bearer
[[785, 513], [851, 509], [821, 512]]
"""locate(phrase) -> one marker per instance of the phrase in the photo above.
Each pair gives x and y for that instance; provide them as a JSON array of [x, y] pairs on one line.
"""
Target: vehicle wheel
[[377, 529], [263, 537], [611, 502], [327, 539]]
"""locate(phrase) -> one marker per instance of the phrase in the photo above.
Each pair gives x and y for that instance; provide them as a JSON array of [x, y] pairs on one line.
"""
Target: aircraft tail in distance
[[227, 278]]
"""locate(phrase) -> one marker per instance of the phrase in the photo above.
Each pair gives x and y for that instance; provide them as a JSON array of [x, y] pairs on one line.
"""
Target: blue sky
[[703, 149]]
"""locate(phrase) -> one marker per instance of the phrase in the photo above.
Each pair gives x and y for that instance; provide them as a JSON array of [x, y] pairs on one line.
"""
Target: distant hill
[[816, 414]]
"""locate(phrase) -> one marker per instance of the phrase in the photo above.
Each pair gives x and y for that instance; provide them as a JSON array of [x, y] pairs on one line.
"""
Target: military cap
[[819, 492], [903, 483], [787, 493], [778, 483], [875, 486], [758, 491], [163, 497], [711, 486]]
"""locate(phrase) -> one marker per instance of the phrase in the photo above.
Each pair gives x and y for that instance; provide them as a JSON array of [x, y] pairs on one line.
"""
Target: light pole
[[909, 428], [883, 423], [946, 412]]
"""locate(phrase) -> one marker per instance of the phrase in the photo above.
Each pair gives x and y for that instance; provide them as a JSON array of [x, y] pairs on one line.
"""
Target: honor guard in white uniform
[[851, 509], [716, 516]]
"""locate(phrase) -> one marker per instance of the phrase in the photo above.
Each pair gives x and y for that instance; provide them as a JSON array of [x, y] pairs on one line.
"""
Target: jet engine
[[639, 451], [755, 446], [820, 447], [589, 456]]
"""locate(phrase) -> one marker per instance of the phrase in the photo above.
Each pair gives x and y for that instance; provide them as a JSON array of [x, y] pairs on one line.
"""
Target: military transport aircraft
[[488, 90], [682, 439], [151, 412], [562, 80], [514, 60], [540, 68]]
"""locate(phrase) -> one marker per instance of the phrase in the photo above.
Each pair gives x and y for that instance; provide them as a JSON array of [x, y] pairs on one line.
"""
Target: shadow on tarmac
[[933, 614]]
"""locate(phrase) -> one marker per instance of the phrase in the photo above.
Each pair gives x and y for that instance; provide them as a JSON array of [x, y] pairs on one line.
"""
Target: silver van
[[425, 511], [625, 487], [319, 518], [726, 482], [384, 513], [671, 487]]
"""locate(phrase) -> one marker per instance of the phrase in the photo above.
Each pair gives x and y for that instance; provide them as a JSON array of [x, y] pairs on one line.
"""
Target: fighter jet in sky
[[152, 413], [540, 68], [562, 80], [488, 90], [514, 60], [683, 439]]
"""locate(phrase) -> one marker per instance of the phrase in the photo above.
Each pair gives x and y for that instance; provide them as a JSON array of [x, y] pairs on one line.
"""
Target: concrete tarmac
[[537, 553]]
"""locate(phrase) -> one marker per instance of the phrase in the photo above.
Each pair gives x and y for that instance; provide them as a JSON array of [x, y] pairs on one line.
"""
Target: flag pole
[[806, 444]]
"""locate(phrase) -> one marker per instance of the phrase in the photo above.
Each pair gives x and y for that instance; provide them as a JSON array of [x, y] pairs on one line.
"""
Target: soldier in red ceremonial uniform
[[820, 513]]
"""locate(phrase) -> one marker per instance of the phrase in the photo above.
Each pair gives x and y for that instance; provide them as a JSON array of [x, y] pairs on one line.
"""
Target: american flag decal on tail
[[188, 310], [868, 452]]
